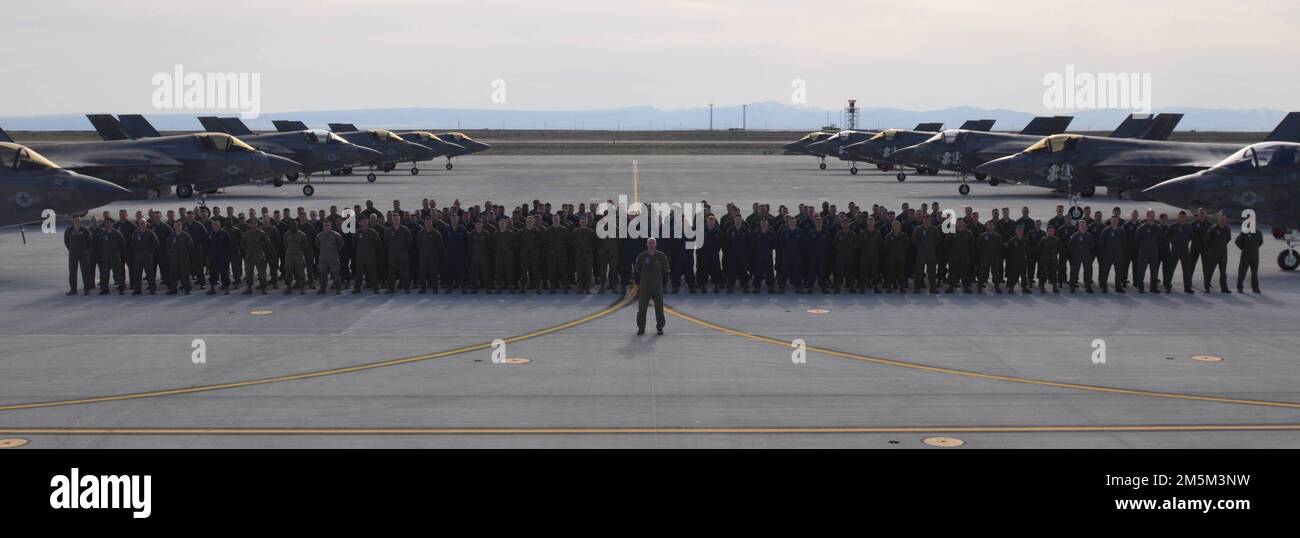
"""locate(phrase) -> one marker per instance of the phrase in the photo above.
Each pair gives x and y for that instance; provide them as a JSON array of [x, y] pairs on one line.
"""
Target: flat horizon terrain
[[882, 371]]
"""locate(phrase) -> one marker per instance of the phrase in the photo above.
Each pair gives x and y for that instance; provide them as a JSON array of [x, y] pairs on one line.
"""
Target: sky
[[76, 57]]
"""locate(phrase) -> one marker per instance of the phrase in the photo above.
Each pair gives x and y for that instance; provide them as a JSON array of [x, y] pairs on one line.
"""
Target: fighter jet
[[880, 148], [440, 146], [834, 146], [316, 150], [960, 151], [393, 148], [1079, 164], [463, 140], [31, 184], [800, 146], [204, 162], [1263, 177]]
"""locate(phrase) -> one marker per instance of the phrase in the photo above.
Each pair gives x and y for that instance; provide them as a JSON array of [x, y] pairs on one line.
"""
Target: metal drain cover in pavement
[[1207, 358], [262, 312], [516, 360], [12, 443], [945, 442], [818, 311]]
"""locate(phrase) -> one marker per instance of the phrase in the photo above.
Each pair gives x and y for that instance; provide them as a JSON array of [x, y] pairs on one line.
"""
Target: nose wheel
[[902, 176], [449, 164], [964, 189], [853, 170], [415, 171], [308, 190], [822, 164], [1289, 259], [371, 177]]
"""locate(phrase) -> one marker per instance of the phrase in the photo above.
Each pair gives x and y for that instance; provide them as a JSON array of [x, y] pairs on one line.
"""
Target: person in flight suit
[[1249, 244], [584, 250], [480, 258], [708, 268], [179, 247], [870, 242], [846, 253], [1179, 236], [818, 243], [607, 264], [1079, 251], [763, 245], [1017, 256], [79, 242], [790, 242], [329, 245], [504, 243], [925, 239], [399, 244], [431, 250], [988, 247], [648, 272], [219, 246], [1197, 247], [456, 239], [368, 247], [961, 248], [894, 248], [1111, 246], [736, 253], [1146, 240], [295, 259], [1049, 249], [1216, 253], [110, 251], [558, 239], [531, 242], [255, 246]]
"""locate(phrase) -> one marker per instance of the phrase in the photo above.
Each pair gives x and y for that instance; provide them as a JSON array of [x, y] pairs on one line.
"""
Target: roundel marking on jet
[[1249, 199], [233, 170], [23, 199]]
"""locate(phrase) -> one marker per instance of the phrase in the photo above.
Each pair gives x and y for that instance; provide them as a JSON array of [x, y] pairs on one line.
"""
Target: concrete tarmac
[[882, 371]]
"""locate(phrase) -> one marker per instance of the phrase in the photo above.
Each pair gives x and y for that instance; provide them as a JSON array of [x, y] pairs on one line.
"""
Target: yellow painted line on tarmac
[[620, 303], [642, 431], [981, 375]]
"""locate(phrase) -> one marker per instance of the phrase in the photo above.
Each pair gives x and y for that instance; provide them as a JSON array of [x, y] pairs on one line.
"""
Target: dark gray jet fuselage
[[31, 184]]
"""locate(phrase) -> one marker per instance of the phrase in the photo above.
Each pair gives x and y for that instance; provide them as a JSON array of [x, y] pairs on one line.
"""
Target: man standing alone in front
[[648, 272]]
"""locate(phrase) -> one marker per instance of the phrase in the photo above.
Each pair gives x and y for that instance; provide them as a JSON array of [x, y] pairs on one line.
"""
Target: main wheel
[[1288, 260], [1279, 232], [964, 189], [1088, 191], [901, 176], [277, 183], [415, 171], [981, 176], [822, 166], [291, 177], [335, 172], [993, 182], [853, 170], [307, 190], [389, 167], [347, 171], [449, 166], [184, 191], [371, 178], [931, 171]]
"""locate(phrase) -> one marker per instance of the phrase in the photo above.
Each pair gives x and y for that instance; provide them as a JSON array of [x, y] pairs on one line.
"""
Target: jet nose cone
[[93, 192], [281, 166], [1177, 192]]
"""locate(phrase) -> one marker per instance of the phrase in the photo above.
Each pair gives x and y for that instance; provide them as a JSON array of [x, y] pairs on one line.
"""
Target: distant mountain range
[[765, 115]]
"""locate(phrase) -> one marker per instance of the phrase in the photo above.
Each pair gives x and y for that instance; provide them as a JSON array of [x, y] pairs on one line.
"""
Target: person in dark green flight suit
[[1249, 244], [648, 272]]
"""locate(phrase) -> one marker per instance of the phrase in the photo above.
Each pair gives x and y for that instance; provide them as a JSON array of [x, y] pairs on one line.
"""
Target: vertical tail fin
[[235, 126], [1161, 127], [1047, 125], [4, 137], [1132, 126], [1288, 130], [343, 127], [108, 127], [138, 126], [978, 125], [212, 124], [933, 127], [288, 126]]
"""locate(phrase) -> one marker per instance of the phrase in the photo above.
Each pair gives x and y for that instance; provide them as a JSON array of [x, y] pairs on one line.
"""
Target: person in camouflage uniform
[[431, 250], [504, 242], [480, 259], [329, 245], [255, 244], [368, 246], [296, 246], [584, 247]]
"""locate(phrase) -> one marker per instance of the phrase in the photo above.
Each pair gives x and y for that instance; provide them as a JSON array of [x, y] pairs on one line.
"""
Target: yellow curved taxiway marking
[[981, 375], [642, 431], [624, 301]]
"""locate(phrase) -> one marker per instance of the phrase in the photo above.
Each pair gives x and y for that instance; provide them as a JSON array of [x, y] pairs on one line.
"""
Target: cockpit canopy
[[384, 134], [222, 142], [816, 136], [16, 157], [1262, 155], [1055, 144], [887, 134], [321, 136], [950, 136]]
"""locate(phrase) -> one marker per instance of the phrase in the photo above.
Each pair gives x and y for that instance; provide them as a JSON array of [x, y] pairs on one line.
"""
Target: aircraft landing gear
[[993, 182], [371, 177], [853, 170], [415, 171], [184, 191], [277, 183], [336, 172], [291, 177], [1289, 259], [308, 190], [964, 189], [931, 171], [1088, 191], [981, 176], [449, 163], [902, 176], [822, 166]]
